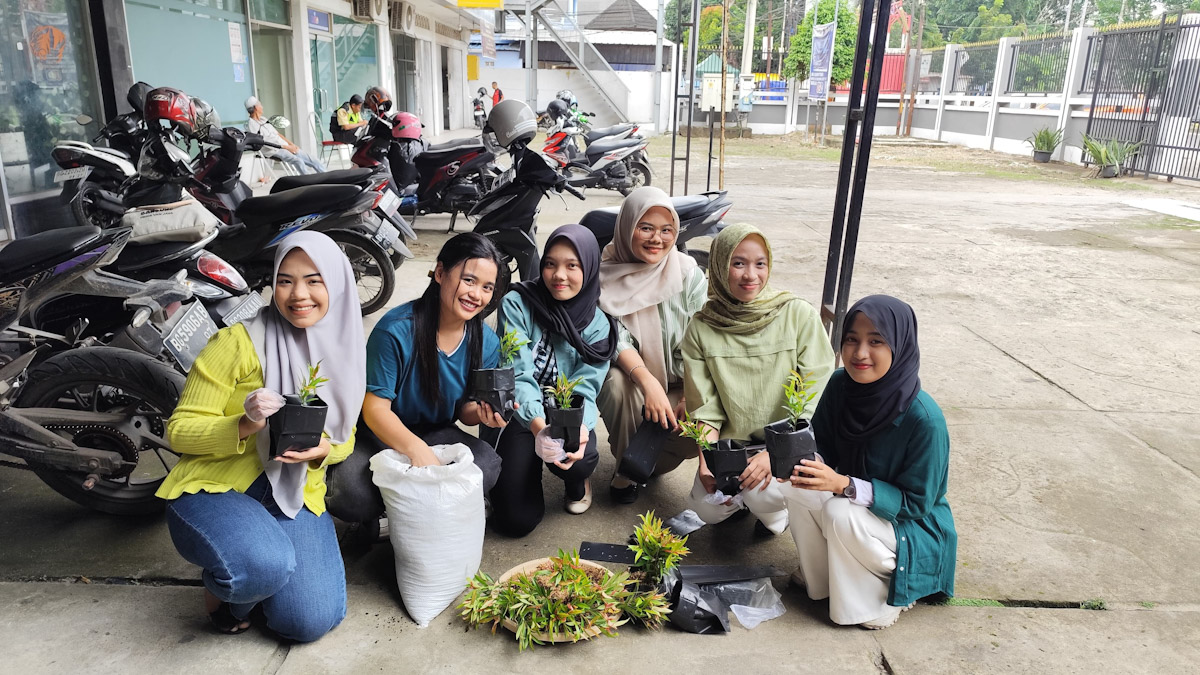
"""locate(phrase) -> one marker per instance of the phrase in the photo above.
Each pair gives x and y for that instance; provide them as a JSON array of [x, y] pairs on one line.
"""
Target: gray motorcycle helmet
[[206, 117], [511, 120]]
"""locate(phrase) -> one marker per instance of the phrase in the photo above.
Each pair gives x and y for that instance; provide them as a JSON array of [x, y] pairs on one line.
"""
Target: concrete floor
[[1059, 335]]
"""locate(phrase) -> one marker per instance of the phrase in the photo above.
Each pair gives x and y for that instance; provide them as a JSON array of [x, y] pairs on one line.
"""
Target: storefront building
[[302, 58]]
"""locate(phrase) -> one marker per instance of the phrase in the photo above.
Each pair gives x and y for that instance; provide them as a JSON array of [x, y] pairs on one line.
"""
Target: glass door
[[325, 98]]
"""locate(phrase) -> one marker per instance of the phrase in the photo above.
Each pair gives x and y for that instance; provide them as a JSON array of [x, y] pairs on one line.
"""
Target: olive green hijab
[[724, 312]]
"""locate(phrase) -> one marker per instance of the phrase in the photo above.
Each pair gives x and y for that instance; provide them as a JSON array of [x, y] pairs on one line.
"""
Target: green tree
[[800, 50], [990, 23]]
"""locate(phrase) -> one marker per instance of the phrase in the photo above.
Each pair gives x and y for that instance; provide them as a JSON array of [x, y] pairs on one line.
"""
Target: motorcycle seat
[[136, 256], [596, 134], [605, 146], [292, 204], [342, 177], [44, 249], [689, 206], [456, 143], [113, 151]]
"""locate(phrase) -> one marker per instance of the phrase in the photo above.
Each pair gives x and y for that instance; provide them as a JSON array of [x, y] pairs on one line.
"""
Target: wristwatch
[[849, 492]]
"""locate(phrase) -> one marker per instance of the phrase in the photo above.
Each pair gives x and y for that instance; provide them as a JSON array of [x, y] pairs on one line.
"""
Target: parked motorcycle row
[[101, 321]]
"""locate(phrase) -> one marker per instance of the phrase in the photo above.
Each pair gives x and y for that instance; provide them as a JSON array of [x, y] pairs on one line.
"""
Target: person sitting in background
[[349, 120], [289, 153]]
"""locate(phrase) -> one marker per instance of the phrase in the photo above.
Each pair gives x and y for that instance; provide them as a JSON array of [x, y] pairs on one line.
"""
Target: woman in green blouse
[[653, 289], [871, 520], [738, 354]]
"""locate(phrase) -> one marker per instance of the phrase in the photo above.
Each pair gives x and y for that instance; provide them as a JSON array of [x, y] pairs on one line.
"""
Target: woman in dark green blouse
[[870, 516]]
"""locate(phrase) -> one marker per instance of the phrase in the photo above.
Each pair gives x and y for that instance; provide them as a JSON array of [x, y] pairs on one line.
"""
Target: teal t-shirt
[[392, 370]]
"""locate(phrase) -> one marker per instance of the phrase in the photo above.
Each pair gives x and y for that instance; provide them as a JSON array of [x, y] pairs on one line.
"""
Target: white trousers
[[847, 553], [767, 504]]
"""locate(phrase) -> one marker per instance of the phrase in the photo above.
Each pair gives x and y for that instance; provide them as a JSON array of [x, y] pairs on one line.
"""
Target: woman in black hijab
[[870, 516], [566, 335]]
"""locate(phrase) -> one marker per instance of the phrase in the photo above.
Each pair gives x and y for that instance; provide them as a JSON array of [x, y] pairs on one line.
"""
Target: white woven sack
[[435, 522], [183, 221]]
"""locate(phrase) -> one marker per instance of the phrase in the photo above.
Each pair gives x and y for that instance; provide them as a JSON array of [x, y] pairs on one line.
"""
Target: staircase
[[567, 34]]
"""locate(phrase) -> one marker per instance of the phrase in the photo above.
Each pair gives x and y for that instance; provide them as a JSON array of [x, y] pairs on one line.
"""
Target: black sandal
[[223, 621]]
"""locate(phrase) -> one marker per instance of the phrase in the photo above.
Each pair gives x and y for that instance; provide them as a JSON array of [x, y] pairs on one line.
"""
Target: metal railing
[[585, 56], [975, 70], [1039, 66]]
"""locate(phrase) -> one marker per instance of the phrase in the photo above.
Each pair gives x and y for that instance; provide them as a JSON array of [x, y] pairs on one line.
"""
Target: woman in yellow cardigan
[[257, 526]]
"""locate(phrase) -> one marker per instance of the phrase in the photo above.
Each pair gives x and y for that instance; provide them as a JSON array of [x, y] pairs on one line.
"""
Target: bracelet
[[633, 369]]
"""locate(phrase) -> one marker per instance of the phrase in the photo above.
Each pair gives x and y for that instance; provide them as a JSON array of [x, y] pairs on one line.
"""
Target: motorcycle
[[701, 215], [88, 419], [444, 178], [477, 103], [611, 164], [92, 175], [252, 226], [508, 214]]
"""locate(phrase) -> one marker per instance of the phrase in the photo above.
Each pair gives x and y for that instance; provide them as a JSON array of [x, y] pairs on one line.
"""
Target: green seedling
[[510, 344], [695, 430], [563, 391], [309, 385], [800, 391], [657, 550]]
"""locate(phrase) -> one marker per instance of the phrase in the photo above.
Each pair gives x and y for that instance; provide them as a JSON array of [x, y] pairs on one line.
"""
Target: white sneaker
[[889, 617]]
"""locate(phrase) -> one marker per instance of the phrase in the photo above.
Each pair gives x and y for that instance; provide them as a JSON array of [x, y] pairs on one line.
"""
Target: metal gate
[[1145, 87]]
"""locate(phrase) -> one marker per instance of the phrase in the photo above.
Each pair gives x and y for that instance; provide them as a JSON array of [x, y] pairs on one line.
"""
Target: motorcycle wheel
[[639, 175], [86, 212], [373, 270], [104, 379]]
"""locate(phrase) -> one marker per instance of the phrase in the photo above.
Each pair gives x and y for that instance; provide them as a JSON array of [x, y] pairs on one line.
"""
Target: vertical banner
[[487, 32], [50, 53], [820, 65]]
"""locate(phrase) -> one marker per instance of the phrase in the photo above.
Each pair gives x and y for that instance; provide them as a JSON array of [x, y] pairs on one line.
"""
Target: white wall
[[549, 82]]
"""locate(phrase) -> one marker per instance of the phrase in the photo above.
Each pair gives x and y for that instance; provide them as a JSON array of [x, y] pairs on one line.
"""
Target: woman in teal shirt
[[419, 359], [870, 520], [559, 318]]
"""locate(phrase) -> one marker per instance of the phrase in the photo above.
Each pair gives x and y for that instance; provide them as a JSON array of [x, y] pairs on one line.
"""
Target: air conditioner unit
[[361, 10], [402, 16], [369, 11]]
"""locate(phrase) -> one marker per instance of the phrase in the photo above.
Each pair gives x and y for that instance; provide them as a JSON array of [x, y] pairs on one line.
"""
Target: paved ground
[[1059, 334]]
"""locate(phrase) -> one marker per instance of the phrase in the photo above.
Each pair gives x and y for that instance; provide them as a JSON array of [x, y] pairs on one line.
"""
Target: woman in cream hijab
[[652, 289]]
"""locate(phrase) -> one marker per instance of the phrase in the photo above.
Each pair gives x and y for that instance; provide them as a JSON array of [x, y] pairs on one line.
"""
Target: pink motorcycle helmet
[[406, 125]]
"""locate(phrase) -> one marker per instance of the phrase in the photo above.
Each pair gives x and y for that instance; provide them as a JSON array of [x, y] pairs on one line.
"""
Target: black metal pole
[[1152, 89], [675, 98], [860, 168], [693, 43], [1087, 131], [849, 132]]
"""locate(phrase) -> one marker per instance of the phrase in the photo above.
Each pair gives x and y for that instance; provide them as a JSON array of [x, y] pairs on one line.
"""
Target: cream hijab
[[631, 290]]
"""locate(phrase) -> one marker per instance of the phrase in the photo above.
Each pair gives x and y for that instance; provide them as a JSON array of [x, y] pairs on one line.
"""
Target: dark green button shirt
[[908, 464]]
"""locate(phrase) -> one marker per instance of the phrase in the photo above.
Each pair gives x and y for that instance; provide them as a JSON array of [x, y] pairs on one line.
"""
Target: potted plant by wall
[[559, 599], [791, 439], [1044, 142], [565, 415], [298, 425], [726, 460], [1099, 151], [495, 386]]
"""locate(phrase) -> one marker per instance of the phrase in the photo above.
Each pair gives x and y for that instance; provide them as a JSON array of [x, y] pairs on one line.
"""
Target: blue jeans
[[251, 553]]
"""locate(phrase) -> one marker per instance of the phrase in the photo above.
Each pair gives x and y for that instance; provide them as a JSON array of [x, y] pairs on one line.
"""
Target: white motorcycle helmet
[[511, 121]]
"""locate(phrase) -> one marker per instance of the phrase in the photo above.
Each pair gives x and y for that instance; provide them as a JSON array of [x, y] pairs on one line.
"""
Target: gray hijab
[[284, 351]]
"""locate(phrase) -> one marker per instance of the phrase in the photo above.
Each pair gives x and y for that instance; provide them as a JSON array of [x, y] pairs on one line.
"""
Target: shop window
[[356, 57], [273, 11], [47, 79]]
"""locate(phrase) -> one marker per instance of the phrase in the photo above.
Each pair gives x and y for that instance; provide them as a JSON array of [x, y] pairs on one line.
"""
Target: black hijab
[[571, 317], [868, 408]]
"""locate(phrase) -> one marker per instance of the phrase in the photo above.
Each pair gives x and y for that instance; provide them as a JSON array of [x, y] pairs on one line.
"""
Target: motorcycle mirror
[[279, 122], [83, 120]]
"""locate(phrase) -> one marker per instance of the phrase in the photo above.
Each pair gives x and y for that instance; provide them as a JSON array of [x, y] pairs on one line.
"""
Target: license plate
[[386, 236], [190, 334], [390, 202], [70, 174], [244, 310]]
